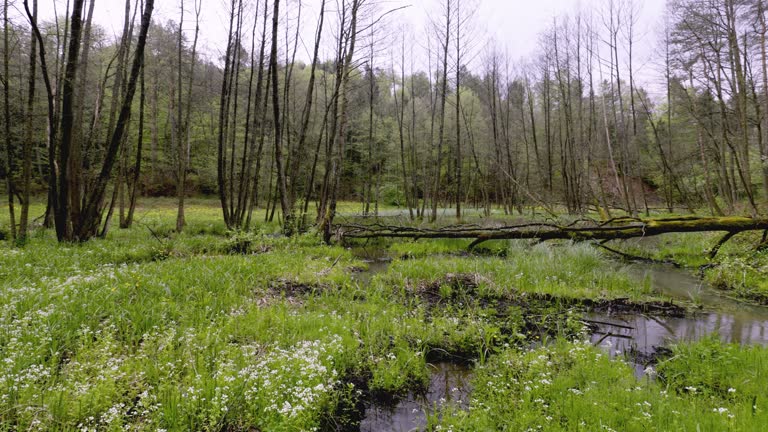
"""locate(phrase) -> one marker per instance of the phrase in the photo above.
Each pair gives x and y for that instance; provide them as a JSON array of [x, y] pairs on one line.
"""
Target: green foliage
[[575, 386], [565, 270], [739, 269], [184, 332], [393, 195], [723, 372], [152, 329]]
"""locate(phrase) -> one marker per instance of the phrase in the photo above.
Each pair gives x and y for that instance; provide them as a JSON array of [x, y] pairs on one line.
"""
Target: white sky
[[514, 24]]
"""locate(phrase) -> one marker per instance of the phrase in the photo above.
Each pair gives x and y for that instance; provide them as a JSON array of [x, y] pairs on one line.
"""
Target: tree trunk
[[341, 130], [443, 97], [11, 188], [29, 134], [221, 161], [281, 181], [764, 64], [457, 42], [93, 205], [616, 229], [134, 183], [307, 112], [184, 119]]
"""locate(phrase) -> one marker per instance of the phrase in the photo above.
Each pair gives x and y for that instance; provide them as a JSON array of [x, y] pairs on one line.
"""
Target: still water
[[636, 335], [641, 335]]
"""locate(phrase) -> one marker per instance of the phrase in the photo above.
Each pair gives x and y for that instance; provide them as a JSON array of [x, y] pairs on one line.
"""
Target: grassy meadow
[[210, 330]]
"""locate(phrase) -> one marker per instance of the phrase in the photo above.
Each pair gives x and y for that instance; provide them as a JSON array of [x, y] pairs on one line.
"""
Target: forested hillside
[[381, 112]]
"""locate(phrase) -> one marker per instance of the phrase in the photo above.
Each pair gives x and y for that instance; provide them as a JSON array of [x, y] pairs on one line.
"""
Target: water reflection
[[635, 334], [642, 334], [449, 384]]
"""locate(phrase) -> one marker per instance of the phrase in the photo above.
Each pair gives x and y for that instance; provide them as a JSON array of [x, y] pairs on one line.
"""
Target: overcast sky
[[513, 24]]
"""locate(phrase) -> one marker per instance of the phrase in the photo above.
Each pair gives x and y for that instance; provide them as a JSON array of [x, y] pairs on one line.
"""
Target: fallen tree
[[581, 230]]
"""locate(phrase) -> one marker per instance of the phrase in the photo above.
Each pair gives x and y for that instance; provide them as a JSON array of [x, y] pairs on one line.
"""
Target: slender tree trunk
[[443, 97], [764, 66], [66, 204], [10, 186], [340, 133], [307, 113], [400, 116], [50, 117], [134, 184], [184, 119], [281, 181], [262, 104], [91, 215], [181, 168], [412, 145], [234, 90], [609, 144], [372, 162], [249, 141], [221, 161], [29, 133], [457, 42]]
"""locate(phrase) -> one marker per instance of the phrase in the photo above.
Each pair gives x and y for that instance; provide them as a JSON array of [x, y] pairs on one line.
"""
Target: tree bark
[[221, 165], [11, 188], [29, 134], [443, 97], [616, 229], [281, 181], [93, 206]]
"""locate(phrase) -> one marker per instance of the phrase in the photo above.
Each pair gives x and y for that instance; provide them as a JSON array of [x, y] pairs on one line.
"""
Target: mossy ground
[[213, 330]]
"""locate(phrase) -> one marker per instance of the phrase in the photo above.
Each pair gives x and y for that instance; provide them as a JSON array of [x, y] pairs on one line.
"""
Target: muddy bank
[[449, 385]]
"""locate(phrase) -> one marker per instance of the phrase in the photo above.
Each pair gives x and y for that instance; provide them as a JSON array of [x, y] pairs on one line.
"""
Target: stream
[[634, 335], [640, 335]]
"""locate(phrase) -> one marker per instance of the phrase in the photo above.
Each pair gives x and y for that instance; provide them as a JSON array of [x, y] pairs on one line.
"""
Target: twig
[[631, 257], [729, 235], [607, 324]]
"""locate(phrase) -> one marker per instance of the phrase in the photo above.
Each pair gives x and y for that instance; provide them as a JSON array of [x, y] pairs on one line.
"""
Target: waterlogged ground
[[211, 330], [740, 268]]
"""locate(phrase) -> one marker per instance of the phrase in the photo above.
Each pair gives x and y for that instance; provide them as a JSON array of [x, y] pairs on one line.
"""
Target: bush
[[239, 242], [393, 195]]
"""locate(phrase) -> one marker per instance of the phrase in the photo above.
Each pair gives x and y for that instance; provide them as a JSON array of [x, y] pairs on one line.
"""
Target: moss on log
[[615, 229]]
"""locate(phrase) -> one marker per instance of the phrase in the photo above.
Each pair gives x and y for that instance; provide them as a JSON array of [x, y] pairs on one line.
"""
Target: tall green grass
[[150, 329], [577, 387], [561, 270]]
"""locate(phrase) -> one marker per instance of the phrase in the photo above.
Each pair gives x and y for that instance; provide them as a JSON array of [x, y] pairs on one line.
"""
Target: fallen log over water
[[581, 230]]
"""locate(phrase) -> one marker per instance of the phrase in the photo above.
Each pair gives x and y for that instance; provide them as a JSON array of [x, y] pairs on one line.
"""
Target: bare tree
[[445, 40], [79, 220], [183, 119], [29, 134], [10, 185]]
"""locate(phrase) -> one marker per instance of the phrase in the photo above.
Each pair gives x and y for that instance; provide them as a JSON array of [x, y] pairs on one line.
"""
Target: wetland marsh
[[214, 330]]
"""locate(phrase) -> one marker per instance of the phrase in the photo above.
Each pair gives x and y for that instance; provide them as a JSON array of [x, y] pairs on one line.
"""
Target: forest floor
[[212, 330]]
